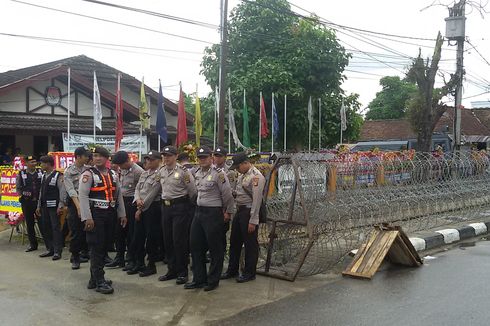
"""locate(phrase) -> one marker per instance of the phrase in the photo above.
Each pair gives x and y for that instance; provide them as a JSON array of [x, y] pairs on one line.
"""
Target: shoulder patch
[[187, 178], [85, 178], [255, 181], [221, 178], [157, 176]]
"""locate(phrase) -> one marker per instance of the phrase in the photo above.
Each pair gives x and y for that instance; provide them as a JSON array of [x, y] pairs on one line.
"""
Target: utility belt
[[175, 201], [249, 206], [102, 204]]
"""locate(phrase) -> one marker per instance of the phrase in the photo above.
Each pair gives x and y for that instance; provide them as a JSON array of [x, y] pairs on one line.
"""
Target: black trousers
[[28, 209], [176, 223], [146, 230], [51, 230], [239, 237], [207, 233], [123, 235], [78, 241], [97, 240]]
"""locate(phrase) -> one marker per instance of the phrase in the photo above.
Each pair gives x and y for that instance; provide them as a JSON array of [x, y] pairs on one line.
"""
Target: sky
[[175, 59]]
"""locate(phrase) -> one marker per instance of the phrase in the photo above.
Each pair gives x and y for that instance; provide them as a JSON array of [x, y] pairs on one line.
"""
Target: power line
[[156, 14], [481, 56], [111, 21]]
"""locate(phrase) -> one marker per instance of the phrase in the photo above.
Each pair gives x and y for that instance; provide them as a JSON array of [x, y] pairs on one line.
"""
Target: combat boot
[[75, 262], [149, 270], [117, 262], [137, 268], [104, 287]]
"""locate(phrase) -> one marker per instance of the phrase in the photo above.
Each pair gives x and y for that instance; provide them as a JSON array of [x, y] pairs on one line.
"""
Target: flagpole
[[272, 116], [319, 124], [215, 113], [260, 122], [95, 78], [149, 118], [341, 131], [198, 133], [285, 108], [68, 106], [141, 136], [229, 121]]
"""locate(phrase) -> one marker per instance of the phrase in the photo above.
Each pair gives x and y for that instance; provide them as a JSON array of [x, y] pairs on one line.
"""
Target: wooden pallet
[[386, 242]]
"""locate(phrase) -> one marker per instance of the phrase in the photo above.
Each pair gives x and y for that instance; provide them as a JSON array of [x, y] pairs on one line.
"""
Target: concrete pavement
[[38, 291]]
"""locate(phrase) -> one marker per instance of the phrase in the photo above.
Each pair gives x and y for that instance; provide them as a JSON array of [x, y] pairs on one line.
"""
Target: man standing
[[72, 174], [219, 160], [100, 201], [178, 192], [128, 179], [244, 229], [215, 205], [50, 208], [28, 184], [147, 216]]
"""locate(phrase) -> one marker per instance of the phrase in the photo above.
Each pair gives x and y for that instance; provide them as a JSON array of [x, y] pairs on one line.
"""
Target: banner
[[9, 204], [129, 143]]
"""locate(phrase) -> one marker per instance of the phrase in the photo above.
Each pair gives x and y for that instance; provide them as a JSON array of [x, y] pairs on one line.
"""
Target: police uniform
[[214, 196], [128, 180], [147, 228], [50, 195], [178, 192], [101, 200], [249, 193], [28, 184], [78, 241]]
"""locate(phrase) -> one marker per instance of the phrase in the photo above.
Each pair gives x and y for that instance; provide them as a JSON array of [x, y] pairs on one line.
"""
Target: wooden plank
[[354, 265], [378, 259], [372, 251]]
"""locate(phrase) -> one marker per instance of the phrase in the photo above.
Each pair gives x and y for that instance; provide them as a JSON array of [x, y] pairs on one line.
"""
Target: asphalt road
[[452, 289]]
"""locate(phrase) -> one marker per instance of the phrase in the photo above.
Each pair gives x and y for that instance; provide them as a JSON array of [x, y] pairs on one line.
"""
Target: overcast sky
[[387, 16]]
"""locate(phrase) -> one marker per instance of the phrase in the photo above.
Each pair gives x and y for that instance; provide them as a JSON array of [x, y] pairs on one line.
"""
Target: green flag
[[246, 132]]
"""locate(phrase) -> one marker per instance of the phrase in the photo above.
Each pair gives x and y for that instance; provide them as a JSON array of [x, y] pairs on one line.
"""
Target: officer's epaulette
[[218, 169]]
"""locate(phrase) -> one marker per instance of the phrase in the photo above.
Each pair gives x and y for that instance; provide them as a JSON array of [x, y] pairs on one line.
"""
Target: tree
[[272, 50], [425, 107], [391, 101]]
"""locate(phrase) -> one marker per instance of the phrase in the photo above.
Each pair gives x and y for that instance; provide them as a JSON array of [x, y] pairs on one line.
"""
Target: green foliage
[[391, 101], [272, 51]]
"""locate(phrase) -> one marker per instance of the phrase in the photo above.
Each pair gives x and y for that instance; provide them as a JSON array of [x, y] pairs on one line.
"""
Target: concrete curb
[[447, 236]]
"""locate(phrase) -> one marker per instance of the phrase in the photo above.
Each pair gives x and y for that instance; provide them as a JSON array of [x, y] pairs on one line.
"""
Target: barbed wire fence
[[320, 208]]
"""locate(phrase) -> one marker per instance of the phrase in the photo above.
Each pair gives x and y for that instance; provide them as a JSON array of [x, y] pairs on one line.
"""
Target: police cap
[[170, 150], [203, 151]]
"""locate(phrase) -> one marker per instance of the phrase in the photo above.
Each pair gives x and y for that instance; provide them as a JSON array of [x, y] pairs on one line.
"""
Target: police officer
[[219, 160], [50, 207], [72, 176], [244, 229], [128, 179], [101, 201], [147, 198], [28, 184], [178, 191], [215, 205]]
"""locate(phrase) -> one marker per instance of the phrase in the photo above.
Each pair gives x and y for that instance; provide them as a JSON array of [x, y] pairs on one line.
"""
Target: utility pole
[[223, 55], [455, 31]]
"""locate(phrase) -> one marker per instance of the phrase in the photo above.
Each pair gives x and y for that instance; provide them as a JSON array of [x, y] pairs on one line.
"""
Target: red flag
[[264, 131], [181, 121], [119, 115]]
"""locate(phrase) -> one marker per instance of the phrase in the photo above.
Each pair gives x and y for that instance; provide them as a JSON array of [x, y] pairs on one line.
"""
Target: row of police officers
[[190, 208]]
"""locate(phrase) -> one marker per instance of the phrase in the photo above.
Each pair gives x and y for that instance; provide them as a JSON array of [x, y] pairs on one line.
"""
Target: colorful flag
[[181, 121], [144, 117], [97, 105], [119, 115], [275, 121], [198, 125], [246, 131], [264, 130], [161, 119], [343, 118]]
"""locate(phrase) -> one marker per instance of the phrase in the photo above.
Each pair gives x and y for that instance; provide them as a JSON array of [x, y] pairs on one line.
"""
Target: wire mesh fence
[[321, 206]]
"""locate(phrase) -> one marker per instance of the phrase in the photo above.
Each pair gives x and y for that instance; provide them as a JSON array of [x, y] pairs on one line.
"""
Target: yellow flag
[[144, 117], [198, 124]]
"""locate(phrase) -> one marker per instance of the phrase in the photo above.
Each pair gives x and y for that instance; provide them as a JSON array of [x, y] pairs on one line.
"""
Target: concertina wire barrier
[[321, 206]]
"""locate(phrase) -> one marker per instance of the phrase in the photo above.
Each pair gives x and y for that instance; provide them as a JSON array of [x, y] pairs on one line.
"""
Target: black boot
[[107, 259], [137, 268], [104, 287], [117, 262], [75, 262], [129, 266], [149, 270]]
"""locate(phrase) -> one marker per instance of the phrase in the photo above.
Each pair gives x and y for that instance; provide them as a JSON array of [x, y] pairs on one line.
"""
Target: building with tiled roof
[[35, 125]]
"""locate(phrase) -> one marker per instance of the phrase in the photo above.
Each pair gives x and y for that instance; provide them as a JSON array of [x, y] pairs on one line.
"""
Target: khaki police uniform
[[249, 193], [214, 196], [178, 192]]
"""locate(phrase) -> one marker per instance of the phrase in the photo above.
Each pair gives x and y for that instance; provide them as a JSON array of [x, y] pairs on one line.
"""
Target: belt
[[244, 206], [170, 202], [102, 204]]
